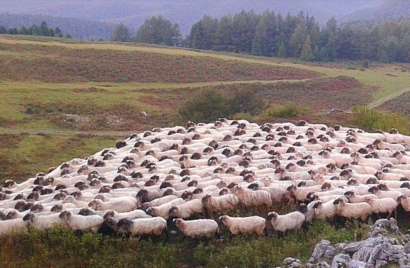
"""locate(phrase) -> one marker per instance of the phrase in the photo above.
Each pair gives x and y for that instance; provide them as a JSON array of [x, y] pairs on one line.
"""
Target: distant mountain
[[77, 28], [133, 13], [387, 10]]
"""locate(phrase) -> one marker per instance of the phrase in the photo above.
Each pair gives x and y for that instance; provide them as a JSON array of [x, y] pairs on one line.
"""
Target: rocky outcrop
[[385, 245]]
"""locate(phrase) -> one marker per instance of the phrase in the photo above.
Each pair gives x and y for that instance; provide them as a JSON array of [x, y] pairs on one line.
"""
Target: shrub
[[372, 120], [211, 105], [286, 110]]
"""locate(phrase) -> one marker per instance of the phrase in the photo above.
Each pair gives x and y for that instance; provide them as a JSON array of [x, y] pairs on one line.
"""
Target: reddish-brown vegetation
[[398, 105], [58, 64]]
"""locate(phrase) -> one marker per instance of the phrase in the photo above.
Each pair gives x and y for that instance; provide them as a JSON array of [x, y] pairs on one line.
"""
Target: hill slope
[[390, 9]]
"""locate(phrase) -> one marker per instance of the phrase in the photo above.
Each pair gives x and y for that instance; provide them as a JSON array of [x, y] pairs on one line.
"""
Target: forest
[[274, 35], [39, 30]]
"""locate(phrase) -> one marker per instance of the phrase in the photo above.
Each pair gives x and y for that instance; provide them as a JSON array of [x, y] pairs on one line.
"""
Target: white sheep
[[155, 225], [17, 226], [324, 210], [163, 210], [244, 225], [134, 214], [219, 203], [382, 205], [197, 228], [81, 223], [44, 222], [119, 205], [360, 210], [282, 223], [250, 198], [186, 210]]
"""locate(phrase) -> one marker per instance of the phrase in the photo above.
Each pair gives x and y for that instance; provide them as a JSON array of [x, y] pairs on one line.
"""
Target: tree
[[121, 34], [3, 29], [257, 46], [298, 39], [44, 31], [307, 53], [58, 32], [282, 52], [223, 34], [157, 30]]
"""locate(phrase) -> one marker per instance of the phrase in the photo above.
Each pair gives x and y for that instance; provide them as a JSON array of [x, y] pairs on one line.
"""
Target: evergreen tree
[[121, 34], [156, 30], [223, 35], [257, 46], [307, 53], [298, 39], [44, 31], [282, 52], [3, 29], [384, 58]]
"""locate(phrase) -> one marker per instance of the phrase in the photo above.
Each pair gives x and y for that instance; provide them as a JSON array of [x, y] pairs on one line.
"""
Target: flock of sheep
[[196, 177]]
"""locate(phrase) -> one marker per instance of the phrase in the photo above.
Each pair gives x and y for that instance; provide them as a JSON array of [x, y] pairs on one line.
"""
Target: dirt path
[[374, 104]]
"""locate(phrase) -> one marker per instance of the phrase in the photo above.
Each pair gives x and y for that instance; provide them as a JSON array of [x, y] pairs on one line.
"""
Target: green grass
[[64, 248], [25, 155]]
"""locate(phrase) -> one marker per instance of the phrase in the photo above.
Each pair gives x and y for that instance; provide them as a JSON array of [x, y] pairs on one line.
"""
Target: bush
[[372, 120], [211, 105], [286, 110]]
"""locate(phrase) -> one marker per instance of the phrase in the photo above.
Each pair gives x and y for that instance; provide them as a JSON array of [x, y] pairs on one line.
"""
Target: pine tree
[[282, 52], [121, 34], [257, 46], [307, 53]]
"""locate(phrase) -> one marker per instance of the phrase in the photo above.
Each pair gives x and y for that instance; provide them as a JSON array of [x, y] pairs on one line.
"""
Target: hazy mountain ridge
[[80, 29], [133, 13], [389, 9]]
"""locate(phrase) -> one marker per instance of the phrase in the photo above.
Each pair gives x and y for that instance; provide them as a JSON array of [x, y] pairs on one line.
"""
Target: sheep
[[119, 205], [250, 198], [282, 223], [81, 223], [213, 204], [382, 205], [197, 228], [158, 201], [44, 222], [163, 210], [244, 225], [155, 225], [134, 214], [404, 201], [352, 197], [15, 225], [186, 210], [360, 210], [324, 210]]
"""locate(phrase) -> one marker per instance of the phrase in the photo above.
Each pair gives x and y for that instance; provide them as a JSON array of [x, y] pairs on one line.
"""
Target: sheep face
[[124, 226], [66, 215], [272, 216], [94, 204]]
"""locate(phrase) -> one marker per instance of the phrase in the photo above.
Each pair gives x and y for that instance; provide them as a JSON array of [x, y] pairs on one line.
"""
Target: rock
[[322, 250], [292, 262], [380, 263], [358, 264], [353, 247], [340, 261], [406, 248], [322, 264]]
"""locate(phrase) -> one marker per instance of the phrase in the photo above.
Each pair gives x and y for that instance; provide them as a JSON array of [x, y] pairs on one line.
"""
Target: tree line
[[39, 30], [273, 35]]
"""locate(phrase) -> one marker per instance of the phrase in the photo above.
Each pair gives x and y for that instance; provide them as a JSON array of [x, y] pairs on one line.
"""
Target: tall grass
[[64, 248], [372, 120]]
